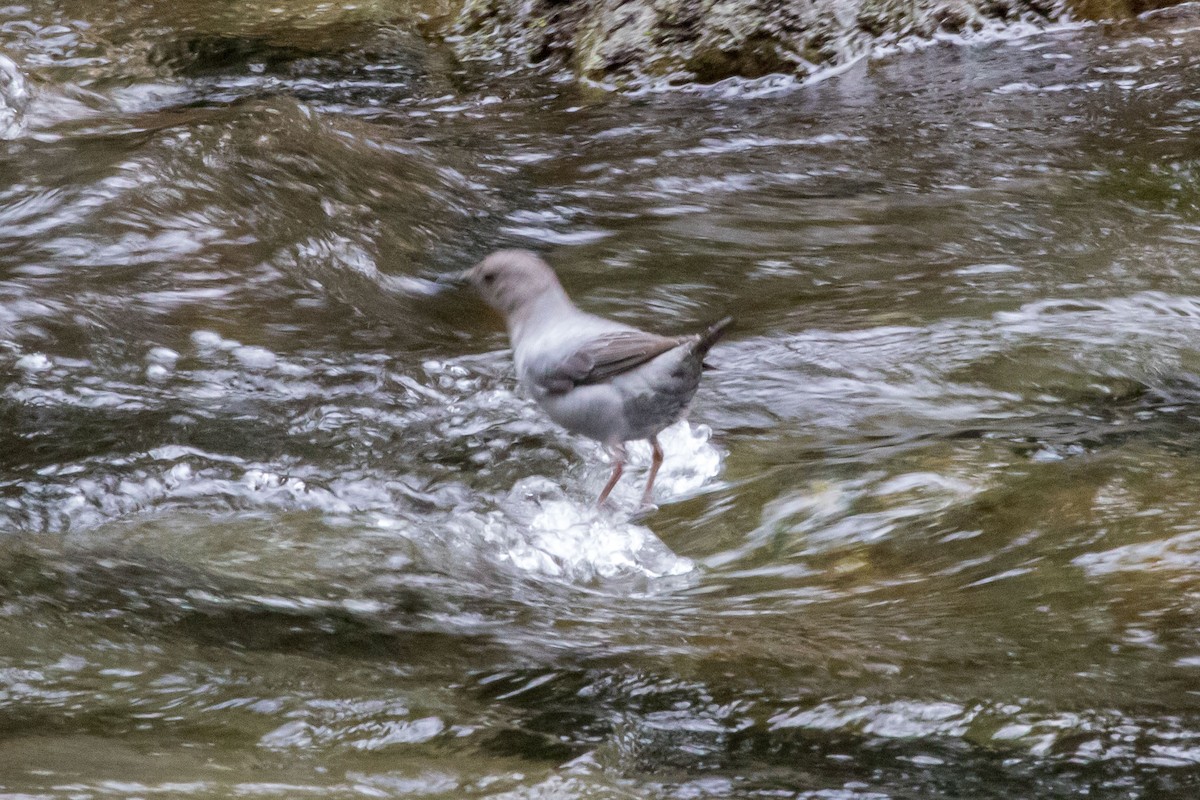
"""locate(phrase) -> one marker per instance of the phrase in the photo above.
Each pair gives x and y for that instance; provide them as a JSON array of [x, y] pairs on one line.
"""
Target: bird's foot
[[607, 506]]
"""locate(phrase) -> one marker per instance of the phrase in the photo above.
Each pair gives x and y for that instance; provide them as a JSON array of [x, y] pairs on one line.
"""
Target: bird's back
[[608, 380]]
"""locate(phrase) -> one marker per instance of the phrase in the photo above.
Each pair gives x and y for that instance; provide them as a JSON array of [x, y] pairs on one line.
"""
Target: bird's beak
[[449, 280]]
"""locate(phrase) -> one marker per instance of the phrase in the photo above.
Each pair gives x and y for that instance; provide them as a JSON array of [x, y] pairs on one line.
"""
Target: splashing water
[[14, 98]]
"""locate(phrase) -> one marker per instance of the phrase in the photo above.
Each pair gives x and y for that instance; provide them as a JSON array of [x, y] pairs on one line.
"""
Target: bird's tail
[[712, 336]]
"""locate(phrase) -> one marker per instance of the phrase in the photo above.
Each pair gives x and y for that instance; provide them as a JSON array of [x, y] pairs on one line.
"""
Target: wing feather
[[605, 357]]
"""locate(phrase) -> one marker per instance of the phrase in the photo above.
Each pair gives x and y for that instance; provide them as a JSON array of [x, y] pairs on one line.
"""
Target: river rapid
[[276, 522]]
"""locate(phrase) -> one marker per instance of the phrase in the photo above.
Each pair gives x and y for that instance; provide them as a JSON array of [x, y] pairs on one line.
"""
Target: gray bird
[[593, 376]]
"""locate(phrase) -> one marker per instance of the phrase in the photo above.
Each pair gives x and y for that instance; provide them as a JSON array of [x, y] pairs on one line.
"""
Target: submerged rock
[[708, 40]]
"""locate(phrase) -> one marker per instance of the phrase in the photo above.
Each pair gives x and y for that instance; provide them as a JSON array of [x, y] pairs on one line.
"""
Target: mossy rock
[[617, 41]]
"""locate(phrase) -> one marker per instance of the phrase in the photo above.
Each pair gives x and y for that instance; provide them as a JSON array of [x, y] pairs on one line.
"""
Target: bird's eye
[[489, 277]]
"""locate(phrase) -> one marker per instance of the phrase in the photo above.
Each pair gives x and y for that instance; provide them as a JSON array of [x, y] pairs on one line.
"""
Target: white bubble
[[34, 362], [211, 340], [162, 355], [254, 357]]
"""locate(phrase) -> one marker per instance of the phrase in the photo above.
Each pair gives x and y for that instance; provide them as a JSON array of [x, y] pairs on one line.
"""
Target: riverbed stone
[[625, 42]]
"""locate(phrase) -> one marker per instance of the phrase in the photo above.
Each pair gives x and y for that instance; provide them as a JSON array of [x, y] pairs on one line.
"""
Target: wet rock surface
[[623, 42]]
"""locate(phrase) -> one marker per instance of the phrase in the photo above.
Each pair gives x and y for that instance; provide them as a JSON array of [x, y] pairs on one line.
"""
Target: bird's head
[[510, 280]]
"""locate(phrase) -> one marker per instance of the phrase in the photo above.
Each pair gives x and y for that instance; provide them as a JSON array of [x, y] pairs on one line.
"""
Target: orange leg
[[618, 454], [655, 462]]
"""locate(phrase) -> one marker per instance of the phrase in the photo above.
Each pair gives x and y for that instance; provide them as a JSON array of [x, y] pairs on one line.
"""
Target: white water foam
[[775, 84], [547, 526], [541, 531], [540, 528], [14, 98]]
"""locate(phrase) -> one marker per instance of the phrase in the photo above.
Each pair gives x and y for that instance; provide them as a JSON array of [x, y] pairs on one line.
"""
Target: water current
[[275, 520]]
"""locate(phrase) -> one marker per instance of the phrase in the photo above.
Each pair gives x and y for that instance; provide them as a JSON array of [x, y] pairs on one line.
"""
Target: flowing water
[[276, 522]]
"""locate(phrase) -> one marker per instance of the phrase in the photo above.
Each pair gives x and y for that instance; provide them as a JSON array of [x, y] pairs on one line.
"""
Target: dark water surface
[[274, 521]]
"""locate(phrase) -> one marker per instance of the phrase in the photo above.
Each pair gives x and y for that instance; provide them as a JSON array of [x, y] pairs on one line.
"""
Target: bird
[[593, 376]]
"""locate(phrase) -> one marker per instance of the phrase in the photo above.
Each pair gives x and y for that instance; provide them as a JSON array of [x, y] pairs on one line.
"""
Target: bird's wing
[[604, 357]]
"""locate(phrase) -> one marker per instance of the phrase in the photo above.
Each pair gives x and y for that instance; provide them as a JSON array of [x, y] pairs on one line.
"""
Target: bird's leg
[[656, 460], [617, 452]]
